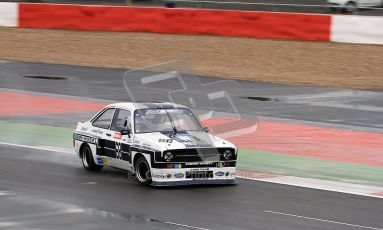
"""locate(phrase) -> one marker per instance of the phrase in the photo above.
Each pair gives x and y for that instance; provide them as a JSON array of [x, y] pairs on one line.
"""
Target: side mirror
[[125, 132], [206, 129]]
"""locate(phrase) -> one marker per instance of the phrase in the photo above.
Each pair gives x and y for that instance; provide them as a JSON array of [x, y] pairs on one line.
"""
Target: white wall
[[357, 29], [9, 14]]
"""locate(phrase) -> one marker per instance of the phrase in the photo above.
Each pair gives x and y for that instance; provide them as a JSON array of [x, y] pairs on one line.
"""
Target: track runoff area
[[344, 166]]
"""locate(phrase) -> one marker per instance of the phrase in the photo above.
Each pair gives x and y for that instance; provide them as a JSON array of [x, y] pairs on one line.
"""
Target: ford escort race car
[[161, 143]]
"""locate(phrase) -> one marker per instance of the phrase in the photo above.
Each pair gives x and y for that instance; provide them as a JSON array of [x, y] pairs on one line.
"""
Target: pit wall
[[292, 26]]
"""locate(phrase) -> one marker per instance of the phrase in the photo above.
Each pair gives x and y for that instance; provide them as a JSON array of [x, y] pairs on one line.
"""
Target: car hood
[[192, 139]]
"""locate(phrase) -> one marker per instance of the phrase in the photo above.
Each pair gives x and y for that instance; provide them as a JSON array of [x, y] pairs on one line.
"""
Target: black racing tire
[[350, 7], [142, 171], [88, 161], [333, 10]]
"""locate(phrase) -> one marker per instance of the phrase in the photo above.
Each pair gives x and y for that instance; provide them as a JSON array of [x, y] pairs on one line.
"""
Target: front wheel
[[87, 160], [142, 170], [350, 7]]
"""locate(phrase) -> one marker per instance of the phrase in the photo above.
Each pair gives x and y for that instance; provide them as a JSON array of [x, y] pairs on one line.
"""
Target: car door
[[101, 127], [122, 122]]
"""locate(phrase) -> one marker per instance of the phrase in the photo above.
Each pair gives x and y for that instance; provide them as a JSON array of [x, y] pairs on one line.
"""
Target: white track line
[[128, 218], [8, 224], [51, 149], [185, 226], [332, 186], [322, 220], [40, 215], [91, 182], [4, 193]]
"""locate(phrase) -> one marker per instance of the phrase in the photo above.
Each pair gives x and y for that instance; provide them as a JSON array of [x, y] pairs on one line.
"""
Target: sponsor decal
[[200, 163], [141, 147], [162, 176], [155, 111], [200, 169], [189, 140], [179, 175], [83, 138], [165, 140], [101, 161], [174, 166], [97, 131], [162, 111], [146, 145], [194, 143], [220, 173]]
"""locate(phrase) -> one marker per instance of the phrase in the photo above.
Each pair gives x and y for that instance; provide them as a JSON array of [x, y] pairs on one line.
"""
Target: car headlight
[[228, 154], [168, 156]]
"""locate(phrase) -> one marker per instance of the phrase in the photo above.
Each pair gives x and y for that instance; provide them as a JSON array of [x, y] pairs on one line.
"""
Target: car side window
[[103, 121], [121, 120]]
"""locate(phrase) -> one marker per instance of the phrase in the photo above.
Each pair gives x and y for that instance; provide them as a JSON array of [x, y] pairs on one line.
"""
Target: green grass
[[30, 134], [310, 167]]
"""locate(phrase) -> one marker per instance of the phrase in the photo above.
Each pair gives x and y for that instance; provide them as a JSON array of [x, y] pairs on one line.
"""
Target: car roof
[[146, 105]]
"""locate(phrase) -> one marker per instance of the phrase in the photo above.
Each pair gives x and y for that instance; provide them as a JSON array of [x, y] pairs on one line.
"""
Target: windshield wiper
[[174, 130], [171, 122]]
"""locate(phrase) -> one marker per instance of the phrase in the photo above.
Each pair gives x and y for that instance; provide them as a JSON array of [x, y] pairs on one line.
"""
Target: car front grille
[[198, 155]]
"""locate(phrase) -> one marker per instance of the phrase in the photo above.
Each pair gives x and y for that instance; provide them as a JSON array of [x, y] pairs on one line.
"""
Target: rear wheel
[[142, 170], [334, 10], [88, 161]]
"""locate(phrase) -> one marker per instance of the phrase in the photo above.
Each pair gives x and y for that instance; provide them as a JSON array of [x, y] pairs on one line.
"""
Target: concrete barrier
[[309, 27], [357, 29], [8, 14], [178, 21]]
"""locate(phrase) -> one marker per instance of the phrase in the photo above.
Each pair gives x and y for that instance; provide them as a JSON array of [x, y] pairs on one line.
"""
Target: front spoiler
[[195, 182]]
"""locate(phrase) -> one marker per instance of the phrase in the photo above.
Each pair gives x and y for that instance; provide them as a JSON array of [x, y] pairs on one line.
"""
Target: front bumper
[[194, 182], [177, 177]]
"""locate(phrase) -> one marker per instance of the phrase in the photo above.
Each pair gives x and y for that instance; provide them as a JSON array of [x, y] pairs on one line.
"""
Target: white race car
[[350, 6], [160, 143]]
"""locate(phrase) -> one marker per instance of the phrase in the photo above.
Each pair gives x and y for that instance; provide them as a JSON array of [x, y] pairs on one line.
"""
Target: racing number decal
[[122, 151], [118, 151]]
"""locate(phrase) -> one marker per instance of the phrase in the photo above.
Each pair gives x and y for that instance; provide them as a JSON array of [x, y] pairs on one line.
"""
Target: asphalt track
[[360, 110], [47, 190], [50, 190]]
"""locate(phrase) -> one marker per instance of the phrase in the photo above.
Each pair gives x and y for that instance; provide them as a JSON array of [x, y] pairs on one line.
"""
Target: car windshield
[[165, 120]]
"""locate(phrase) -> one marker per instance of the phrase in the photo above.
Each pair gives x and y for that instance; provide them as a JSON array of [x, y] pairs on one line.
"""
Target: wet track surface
[[50, 190], [359, 109]]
